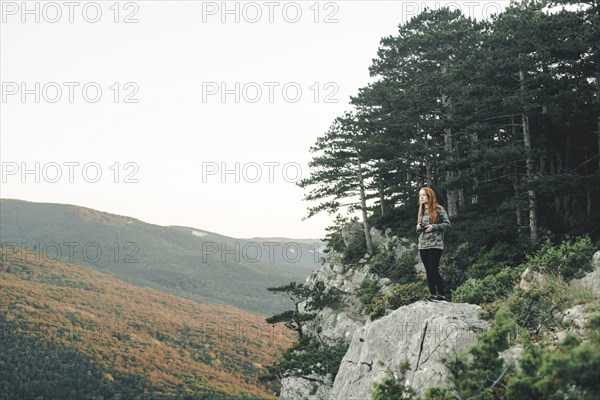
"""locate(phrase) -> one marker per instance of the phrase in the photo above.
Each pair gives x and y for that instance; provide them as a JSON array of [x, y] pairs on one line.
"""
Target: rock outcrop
[[531, 279], [422, 333], [352, 232], [334, 325], [330, 326], [592, 280], [313, 388], [378, 237]]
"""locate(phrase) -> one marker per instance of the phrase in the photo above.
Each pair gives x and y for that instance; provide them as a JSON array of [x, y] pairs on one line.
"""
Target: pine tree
[[341, 171]]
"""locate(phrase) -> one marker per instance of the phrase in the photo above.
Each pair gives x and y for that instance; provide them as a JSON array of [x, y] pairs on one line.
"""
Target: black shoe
[[432, 297], [440, 297]]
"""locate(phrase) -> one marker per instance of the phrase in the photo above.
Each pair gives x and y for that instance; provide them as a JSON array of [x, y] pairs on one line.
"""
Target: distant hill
[[69, 332], [189, 262]]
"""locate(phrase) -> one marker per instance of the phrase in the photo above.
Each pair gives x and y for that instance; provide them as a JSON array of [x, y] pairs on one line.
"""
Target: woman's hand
[[427, 229]]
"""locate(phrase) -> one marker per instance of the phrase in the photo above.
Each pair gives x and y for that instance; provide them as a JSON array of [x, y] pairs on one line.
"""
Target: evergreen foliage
[[487, 290], [480, 375], [572, 259], [354, 252], [292, 319], [308, 358], [351, 254], [569, 371], [401, 269], [500, 117]]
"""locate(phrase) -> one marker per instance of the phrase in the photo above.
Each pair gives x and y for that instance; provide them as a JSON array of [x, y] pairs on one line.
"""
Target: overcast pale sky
[[192, 113]]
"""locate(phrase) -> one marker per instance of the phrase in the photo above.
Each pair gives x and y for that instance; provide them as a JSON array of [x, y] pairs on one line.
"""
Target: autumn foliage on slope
[[71, 332]]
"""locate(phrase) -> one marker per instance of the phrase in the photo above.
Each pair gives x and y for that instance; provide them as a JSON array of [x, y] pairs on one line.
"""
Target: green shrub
[[377, 308], [404, 294], [367, 291], [335, 242], [355, 251], [569, 259], [488, 289], [369, 294], [568, 372], [306, 357], [593, 328], [382, 262], [400, 270], [392, 388], [318, 297], [494, 260], [333, 238], [477, 259], [489, 310], [404, 270], [535, 309], [376, 303]]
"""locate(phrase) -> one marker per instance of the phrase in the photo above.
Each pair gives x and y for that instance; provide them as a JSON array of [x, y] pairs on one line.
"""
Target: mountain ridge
[[205, 267]]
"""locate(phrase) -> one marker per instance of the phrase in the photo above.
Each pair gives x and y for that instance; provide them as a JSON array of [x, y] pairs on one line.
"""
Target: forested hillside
[[203, 266], [69, 332]]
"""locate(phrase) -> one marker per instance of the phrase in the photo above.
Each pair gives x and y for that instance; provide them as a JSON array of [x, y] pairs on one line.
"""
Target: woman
[[432, 221]]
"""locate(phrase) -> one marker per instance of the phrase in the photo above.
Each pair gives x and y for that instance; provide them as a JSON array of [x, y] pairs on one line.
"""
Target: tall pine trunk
[[363, 208], [452, 194], [588, 193], [598, 109], [531, 193], [517, 199], [381, 196], [516, 183]]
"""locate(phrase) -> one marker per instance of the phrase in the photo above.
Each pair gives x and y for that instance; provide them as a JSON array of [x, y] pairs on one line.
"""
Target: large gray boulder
[[330, 326], [352, 232], [378, 237], [333, 327], [592, 280], [422, 333], [531, 279]]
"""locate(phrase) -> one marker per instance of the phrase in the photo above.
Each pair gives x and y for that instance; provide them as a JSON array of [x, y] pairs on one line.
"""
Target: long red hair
[[432, 206]]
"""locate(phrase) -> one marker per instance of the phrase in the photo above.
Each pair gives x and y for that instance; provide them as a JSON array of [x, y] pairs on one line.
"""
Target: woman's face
[[423, 197]]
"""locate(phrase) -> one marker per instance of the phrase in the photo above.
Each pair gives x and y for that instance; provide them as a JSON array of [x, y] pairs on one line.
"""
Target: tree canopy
[[500, 117]]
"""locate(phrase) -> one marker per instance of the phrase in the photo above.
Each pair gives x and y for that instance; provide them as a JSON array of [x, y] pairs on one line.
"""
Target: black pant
[[431, 261]]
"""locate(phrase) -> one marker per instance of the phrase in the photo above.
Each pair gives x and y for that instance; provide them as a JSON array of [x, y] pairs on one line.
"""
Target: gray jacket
[[435, 239]]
